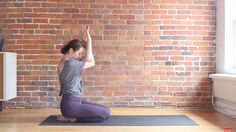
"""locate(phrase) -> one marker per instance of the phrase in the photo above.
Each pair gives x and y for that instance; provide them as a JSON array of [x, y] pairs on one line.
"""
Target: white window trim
[[225, 41], [234, 41]]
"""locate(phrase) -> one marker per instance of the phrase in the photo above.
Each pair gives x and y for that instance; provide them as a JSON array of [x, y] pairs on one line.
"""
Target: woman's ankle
[[63, 118]]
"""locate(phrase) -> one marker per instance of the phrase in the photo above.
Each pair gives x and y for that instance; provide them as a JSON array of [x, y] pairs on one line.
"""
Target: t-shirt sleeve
[[79, 65]]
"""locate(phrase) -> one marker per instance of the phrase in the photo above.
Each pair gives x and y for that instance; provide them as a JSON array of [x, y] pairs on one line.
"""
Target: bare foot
[[62, 118]]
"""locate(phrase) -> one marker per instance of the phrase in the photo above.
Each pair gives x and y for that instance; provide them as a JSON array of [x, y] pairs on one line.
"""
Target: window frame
[[230, 37]]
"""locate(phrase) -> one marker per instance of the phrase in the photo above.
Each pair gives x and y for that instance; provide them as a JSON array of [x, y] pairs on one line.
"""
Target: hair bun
[[74, 44], [63, 50]]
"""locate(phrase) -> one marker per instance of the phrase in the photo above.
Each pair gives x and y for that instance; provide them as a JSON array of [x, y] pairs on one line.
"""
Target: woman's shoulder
[[74, 61]]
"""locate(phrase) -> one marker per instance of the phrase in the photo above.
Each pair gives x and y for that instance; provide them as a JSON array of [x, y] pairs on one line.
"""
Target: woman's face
[[78, 54]]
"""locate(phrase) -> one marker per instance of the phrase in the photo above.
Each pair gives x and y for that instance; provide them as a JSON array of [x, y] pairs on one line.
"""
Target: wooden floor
[[27, 120]]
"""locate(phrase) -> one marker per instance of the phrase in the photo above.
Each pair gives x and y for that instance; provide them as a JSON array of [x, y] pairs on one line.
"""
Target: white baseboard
[[225, 107]]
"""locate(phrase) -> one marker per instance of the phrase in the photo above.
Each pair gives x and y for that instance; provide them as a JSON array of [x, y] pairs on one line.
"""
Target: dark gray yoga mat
[[128, 120]]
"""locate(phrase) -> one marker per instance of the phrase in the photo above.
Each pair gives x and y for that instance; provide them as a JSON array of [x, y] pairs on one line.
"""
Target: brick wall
[[154, 53]]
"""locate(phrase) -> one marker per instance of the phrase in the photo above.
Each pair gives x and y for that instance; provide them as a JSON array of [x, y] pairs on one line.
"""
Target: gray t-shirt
[[70, 77]]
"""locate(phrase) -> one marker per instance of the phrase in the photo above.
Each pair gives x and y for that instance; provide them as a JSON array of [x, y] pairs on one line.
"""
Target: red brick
[[120, 1], [169, 1], [185, 1], [141, 51], [136, 1]]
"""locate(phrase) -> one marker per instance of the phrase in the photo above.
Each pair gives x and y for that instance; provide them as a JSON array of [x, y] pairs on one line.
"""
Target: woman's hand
[[87, 33], [89, 61], [84, 31]]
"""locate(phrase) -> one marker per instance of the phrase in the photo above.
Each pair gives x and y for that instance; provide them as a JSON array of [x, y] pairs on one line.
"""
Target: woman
[[73, 108]]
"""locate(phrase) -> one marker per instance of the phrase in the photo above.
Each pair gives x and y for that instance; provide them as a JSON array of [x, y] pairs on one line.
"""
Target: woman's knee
[[103, 113], [107, 113]]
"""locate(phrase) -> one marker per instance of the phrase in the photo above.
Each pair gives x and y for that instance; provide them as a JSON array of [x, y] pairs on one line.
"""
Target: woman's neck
[[67, 57]]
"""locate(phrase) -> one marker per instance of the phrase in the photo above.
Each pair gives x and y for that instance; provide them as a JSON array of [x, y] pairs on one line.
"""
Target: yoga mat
[[128, 120]]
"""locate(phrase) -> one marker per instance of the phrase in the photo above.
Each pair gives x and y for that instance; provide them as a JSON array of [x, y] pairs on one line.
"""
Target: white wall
[[220, 36], [224, 83]]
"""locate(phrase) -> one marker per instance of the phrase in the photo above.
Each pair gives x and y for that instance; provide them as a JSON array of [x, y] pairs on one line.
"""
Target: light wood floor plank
[[27, 120]]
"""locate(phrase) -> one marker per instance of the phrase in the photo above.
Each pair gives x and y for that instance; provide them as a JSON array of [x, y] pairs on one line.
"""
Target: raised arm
[[89, 60]]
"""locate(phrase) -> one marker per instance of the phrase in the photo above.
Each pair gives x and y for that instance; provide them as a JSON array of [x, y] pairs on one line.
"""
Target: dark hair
[[75, 44]]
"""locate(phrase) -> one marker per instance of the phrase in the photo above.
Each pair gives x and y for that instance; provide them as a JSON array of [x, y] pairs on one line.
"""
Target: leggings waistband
[[71, 98]]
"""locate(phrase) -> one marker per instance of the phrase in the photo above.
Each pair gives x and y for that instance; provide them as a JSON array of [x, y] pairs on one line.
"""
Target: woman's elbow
[[89, 65], [93, 64]]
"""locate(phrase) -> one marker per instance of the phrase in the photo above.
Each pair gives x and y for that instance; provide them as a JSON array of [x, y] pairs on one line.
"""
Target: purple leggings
[[75, 107]]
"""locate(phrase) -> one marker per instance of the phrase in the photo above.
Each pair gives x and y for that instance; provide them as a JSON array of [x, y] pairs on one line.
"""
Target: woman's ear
[[70, 50]]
